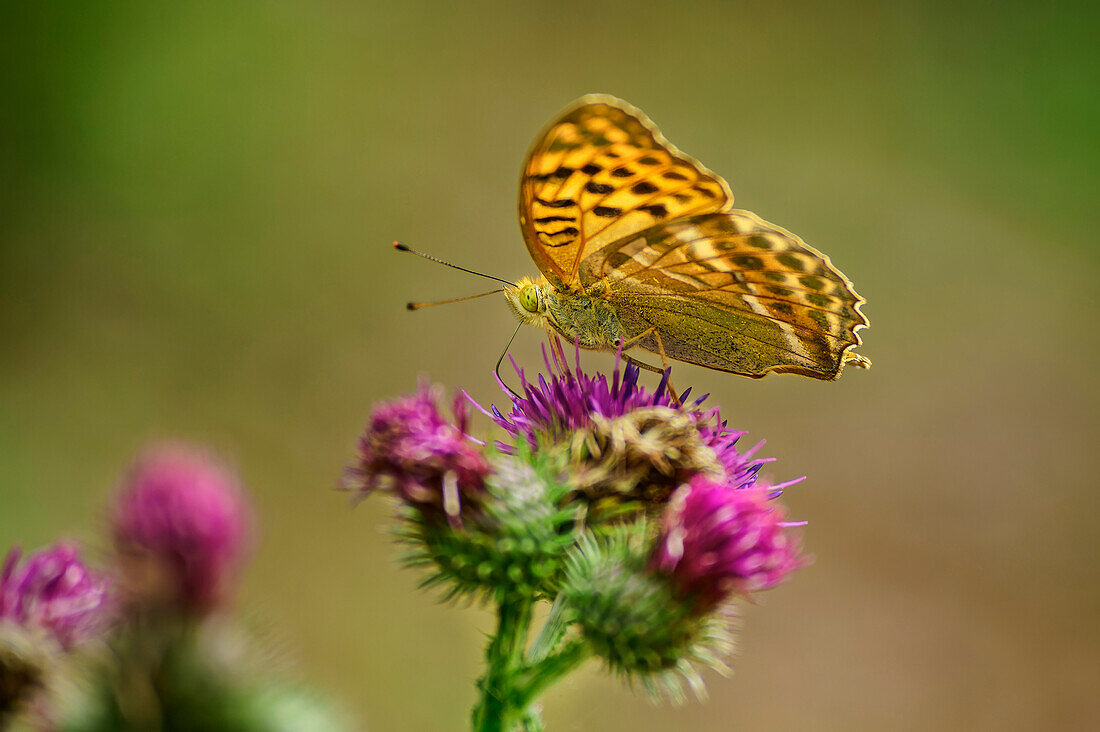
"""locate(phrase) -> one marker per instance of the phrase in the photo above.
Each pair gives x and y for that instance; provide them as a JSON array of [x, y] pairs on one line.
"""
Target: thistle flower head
[[642, 455], [556, 407], [410, 449], [54, 591], [512, 546], [633, 620], [181, 526], [627, 443], [717, 542]]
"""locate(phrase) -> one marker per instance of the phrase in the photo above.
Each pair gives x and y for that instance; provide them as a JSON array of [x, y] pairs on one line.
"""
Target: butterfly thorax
[[590, 321]]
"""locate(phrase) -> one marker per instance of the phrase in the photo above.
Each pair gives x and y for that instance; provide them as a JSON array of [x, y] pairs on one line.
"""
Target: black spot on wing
[[601, 188], [644, 187], [607, 212], [591, 169], [617, 259], [622, 172], [656, 210], [560, 203], [555, 238], [749, 262], [813, 283], [792, 261], [561, 173]]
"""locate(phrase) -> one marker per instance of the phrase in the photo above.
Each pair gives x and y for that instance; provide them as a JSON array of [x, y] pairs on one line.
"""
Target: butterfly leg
[[664, 362], [642, 364], [664, 359]]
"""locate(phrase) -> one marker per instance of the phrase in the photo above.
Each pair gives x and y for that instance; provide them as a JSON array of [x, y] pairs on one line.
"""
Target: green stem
[[539, 677], [532, 720], [499, 709], [551, 634]]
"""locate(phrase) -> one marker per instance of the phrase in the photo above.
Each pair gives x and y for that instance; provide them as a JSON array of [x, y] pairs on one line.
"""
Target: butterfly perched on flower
[[639, 247]]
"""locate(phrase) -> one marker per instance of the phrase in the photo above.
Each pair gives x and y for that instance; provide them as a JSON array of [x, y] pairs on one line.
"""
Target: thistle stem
[[551, 634], [500, 709], [540, 676]]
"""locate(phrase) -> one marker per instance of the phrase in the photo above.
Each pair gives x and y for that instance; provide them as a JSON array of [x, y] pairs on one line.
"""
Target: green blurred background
[[198, 201]]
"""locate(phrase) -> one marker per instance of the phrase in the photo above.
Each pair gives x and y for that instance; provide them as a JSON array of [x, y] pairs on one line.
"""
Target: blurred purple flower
[[54, 590], [409, 448], [181, 524], [718, 542]]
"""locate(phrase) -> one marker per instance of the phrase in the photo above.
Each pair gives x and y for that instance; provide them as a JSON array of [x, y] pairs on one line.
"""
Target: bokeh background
[[198, 201]]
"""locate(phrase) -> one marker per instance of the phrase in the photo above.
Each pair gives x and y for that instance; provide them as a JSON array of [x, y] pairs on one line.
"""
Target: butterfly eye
[[529, 298]]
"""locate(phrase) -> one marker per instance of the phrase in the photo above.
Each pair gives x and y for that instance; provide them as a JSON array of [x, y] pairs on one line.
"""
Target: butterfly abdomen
[[592, 322]]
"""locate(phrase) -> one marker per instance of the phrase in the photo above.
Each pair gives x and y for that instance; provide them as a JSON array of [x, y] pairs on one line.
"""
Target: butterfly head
[[528, 301]]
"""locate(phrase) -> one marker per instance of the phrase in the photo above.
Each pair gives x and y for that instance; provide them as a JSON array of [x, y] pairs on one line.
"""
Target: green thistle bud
[[633, 620], [512, 546]]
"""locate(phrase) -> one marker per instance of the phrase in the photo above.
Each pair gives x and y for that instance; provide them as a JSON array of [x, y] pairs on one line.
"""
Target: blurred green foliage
[[197, 204]]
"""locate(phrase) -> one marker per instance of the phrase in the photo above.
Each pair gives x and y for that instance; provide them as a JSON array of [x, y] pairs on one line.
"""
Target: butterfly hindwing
[[601, 172], [730, 291]]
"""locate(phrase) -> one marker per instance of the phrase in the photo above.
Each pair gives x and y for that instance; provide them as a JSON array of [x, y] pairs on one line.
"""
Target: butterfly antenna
[[402, 248], [501, 360], [418, 305]]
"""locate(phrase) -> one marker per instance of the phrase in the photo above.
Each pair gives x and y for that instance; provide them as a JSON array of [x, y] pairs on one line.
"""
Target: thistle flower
[[513, 546], [410, 449], [627, 443], [718, 542], [633, 620], [50, 603], [181, 526], [53, 590], [554, 409]]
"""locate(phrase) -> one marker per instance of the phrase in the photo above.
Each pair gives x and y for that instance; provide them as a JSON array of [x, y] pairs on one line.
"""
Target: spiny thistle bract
[[635, 621], [513, 545], [633, 512]]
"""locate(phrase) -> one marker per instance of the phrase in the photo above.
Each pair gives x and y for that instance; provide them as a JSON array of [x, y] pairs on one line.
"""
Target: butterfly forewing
[[602, 172], [730, 291]]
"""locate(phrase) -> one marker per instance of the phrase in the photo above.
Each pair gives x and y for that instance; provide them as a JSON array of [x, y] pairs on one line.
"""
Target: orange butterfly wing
[[599, 173], [733, 292]]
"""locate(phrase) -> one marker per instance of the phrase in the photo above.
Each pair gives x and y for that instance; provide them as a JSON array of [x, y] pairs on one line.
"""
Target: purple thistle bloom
[[557, 408], [54, 590], [567, 402], [181, 524], [718, 542], [431, 464]]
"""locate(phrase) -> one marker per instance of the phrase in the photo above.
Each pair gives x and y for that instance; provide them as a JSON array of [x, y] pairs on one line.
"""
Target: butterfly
[[639, 247]]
